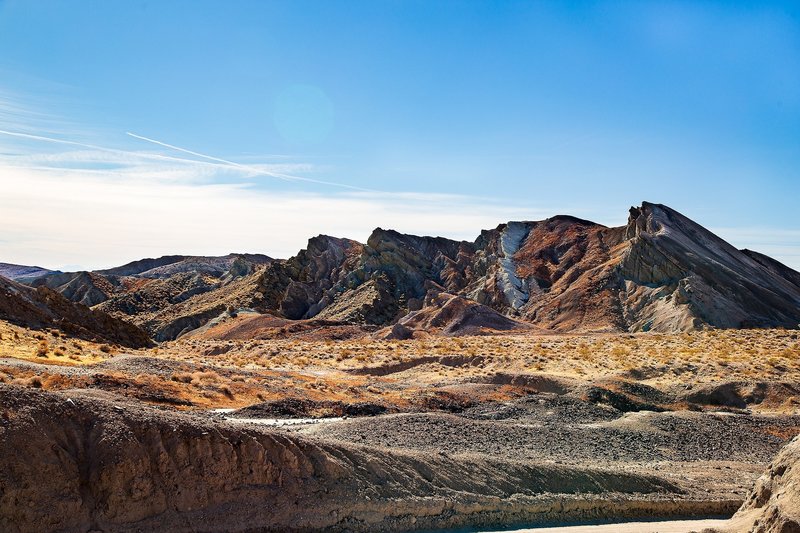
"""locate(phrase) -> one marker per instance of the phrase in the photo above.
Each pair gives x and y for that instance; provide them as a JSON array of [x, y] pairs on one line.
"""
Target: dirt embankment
[[80, 462], [773, 506]]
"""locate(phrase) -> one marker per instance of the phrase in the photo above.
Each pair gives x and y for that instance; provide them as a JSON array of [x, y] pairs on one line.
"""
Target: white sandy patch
[[671, 526], [282, 421]]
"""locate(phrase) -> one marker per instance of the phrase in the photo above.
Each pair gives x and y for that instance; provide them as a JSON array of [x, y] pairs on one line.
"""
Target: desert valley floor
[[424, 433]]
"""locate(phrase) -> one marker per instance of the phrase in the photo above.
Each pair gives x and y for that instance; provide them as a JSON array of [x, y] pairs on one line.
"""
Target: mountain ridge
[[661, 271]]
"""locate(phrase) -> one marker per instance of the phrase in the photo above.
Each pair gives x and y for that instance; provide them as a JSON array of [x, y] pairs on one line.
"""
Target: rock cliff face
[[76, 461], [558, 274], [302, 286]]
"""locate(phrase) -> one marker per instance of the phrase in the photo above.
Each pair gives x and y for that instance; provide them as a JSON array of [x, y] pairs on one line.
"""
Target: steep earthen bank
[[82, 461], [773, 506]]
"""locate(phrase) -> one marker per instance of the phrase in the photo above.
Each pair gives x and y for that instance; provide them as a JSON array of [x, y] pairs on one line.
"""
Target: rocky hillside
[[44, 308], [22, 272], [451, 315], [168, 265], [660, 272], [166, 311], [87, 288], [149, 292]]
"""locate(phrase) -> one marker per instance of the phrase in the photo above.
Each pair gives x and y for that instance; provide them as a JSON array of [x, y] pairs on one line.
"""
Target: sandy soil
[[645, 425], [671, 526]]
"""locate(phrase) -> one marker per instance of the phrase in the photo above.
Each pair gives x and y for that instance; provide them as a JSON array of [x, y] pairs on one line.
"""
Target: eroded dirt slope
[[91, 461]]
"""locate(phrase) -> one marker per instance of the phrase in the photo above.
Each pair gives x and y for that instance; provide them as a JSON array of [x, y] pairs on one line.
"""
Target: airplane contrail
[[104, 149], [248, 168], [224, 163]]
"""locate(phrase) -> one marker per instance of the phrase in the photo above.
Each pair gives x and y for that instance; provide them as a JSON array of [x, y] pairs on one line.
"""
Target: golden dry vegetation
[[50, 346], [656, 358], [408, 374]]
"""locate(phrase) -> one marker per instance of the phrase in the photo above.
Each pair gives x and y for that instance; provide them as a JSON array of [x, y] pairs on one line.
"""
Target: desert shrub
[[43, 348], [619, 351], [105, 348], [226, 390], [197, 378], [208, 375], [182, 377]]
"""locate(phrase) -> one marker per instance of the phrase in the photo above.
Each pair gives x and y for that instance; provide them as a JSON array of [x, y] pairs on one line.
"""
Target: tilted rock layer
[[660, 272]]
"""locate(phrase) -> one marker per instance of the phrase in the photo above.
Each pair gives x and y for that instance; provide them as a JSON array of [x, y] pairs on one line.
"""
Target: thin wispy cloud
[[249, 168], [70, 202], [86, 220]]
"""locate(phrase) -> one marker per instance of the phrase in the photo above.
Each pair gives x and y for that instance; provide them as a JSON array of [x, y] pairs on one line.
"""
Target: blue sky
[[430, 117]]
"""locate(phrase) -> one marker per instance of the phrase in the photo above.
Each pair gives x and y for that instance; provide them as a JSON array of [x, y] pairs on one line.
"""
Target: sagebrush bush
[[43, 348]]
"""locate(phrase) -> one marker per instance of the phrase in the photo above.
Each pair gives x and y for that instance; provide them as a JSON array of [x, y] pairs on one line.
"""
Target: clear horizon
[[203, 128]]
